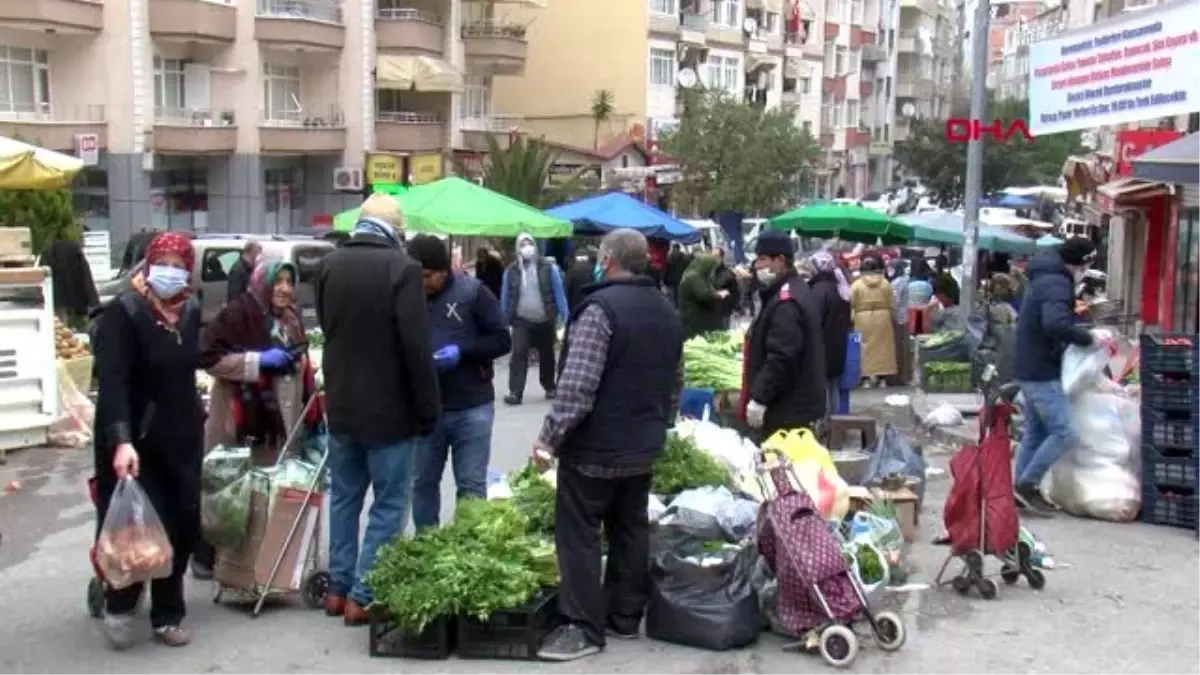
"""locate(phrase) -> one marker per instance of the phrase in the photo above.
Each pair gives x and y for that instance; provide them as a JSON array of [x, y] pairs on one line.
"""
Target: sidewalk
[[920, 404]]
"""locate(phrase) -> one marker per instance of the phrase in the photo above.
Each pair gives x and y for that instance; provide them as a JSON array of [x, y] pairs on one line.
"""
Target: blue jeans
[[466, 436], [354, 467], [1048, 431]]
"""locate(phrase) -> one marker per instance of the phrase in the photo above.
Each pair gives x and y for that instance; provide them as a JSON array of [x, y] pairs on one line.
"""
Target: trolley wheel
[[974, 563], [962, 584], [988, 588], [1010, 575], [315, 588], [1036, 578], [95, 598], [889, 630], [839, 646]]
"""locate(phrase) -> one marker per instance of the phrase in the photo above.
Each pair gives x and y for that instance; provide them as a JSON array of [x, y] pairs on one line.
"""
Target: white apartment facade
[[237, 115]]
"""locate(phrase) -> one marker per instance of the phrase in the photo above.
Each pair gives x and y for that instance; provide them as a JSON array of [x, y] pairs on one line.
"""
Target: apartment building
[[247, 115], [1012, 79], [926, 61]]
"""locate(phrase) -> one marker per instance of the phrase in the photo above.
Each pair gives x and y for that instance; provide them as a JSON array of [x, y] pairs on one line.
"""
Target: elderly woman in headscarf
[[148, 423], [831, 295], [256, 351], [699, 300], [872, 303]]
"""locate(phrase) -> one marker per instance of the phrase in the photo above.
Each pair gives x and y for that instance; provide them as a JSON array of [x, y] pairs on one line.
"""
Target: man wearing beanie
[[466, 335], [783, 376], [1045, 327], [533, 302]]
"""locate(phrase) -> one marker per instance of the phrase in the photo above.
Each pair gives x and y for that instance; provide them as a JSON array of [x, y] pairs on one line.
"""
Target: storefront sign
[[1139, 67], [384, 168], [879, 149], [424, 169], [87, 148], [1133, 143]]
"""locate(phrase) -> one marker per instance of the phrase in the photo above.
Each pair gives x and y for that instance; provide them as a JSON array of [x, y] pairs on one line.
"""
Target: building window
[[169, 98], [477, 98], [773, 24], [662, 7], [727, 13], [723, 72], [852, 113], [806, 127], [856, 12], [1184, 312], [840, 61], [805, 86], [179, 199], [24, 81], [281, 93], [855, 60], [89, 194], [283, 198], [662, 67]]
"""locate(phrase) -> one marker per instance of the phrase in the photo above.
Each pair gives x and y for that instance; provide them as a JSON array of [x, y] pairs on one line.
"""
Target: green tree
[[602, 111], [738, 157], [49, 215], [942, 166], [523, 170]]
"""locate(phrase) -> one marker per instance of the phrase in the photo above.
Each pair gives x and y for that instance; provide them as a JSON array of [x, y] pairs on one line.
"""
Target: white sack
[[1101, 477]]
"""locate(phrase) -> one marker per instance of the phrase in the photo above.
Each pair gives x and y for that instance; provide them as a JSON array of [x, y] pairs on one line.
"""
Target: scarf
[[167, 244], [377, 227], [281, 322], [823, 261]]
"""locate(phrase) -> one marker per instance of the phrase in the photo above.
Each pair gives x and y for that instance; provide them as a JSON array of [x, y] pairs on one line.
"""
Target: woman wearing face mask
[[149, 420], [262, 377]]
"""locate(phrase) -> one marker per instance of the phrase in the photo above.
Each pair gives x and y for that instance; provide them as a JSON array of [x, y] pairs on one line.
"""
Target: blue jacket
[[1046, 324], [465, 313]]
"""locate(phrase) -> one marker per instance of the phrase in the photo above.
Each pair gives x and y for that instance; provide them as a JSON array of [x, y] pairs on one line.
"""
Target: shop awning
[[419, 73], [1175, 162], [1125, 190]]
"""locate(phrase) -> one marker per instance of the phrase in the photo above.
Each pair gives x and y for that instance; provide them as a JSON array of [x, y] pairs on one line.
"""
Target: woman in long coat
[[148, 423], [699, 300], [872, 304]]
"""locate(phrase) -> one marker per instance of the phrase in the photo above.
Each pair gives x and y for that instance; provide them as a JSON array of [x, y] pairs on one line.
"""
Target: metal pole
[[974, 186]]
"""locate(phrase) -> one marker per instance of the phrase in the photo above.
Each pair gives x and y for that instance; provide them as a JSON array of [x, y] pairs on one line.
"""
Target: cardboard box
[[249, 568], [16, 245], [904, 499]]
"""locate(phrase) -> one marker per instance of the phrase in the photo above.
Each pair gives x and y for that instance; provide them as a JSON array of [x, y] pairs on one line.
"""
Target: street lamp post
[[974, 184]]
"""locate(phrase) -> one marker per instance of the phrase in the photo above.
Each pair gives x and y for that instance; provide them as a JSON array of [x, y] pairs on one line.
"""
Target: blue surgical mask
[[597, 273], [166, 281]]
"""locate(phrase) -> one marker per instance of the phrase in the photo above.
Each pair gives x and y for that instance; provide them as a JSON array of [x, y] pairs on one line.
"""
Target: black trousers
[[582, 505], [526, 336]]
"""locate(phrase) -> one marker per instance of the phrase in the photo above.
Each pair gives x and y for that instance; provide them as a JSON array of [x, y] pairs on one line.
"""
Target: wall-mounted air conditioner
[[348, 179]]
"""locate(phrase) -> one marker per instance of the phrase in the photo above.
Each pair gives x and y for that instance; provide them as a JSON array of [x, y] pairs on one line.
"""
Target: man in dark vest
[[239, 272], [467, 335], [534, 302], [617, 394]]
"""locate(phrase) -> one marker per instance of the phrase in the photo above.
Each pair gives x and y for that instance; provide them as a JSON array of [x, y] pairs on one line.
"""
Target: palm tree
[[523, 169], [602, 111]]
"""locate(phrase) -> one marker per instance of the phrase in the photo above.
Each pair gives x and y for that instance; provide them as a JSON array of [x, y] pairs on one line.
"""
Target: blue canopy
[[944, 227], [1048, 241], [1011, 201], [612, 211]]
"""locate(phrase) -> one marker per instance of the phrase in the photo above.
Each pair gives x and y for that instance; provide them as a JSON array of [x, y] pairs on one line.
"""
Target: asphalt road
[[1124, 601]]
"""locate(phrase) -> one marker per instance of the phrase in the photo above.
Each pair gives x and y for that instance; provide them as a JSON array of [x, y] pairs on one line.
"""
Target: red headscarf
[[163, 245]]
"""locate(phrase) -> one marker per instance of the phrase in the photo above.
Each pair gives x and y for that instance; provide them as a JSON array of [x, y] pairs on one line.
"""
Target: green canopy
[[460, 208], [942, 227], [344, 221], [843, 221]]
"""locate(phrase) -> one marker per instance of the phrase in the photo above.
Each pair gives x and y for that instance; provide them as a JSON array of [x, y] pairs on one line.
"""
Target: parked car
[[216, 254]]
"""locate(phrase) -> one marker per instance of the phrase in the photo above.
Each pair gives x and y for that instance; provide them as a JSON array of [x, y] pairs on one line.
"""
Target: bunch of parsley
[[683, 466]]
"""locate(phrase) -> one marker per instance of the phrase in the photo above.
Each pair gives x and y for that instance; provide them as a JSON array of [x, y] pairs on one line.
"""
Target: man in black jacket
[[467, 335], [617, 394], [1045, 327], [580, 276], [784, 371], [829, 297], [240, 270], [382, 393], [724, 279]]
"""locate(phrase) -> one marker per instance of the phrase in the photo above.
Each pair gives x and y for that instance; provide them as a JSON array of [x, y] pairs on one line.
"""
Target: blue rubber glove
[[275, 358], [446, 358]]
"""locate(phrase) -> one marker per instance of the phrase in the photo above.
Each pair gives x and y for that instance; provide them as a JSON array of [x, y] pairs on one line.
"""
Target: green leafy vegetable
[[533, 496], [481, 562], [683, 466], [870, 565], [712, 361]]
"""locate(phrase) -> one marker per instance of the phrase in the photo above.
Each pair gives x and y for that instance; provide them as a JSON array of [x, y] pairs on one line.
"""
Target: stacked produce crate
[[1170, 429]]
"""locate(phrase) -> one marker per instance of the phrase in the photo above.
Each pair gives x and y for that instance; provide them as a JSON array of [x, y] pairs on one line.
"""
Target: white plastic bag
[[1101, 477], [73, 428], [944, 415], [725, 445], [737, 517], [1082, 368]]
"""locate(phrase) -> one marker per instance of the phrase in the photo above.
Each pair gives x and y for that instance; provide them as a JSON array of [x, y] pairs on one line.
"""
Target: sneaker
[[118, 630], [171, 636], [513, 399], [1035, 504], [613, 630], [567, 643]]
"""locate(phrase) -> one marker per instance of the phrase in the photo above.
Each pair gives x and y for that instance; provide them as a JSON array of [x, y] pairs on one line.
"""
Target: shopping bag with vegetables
[[133, 546], [814, 469]]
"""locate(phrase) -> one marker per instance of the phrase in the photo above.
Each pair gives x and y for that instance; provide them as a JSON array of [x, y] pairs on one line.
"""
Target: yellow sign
[[879, 148], [384, 168], [424, 169]]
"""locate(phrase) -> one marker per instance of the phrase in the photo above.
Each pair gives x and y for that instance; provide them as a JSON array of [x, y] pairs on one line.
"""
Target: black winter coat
[[785, 358], [834, 313]]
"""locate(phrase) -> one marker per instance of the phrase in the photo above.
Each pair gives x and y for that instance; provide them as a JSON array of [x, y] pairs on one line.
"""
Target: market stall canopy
[[28, 167], [344, 221], [460, 208], [615, 210], [418, 73], [944, 227], [1014, 201], [1175, 162], [1002, 218], [843, 221], [1048, 241], [1051, 192]]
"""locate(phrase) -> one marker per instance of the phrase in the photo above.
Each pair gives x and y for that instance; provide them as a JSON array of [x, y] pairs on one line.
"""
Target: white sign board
[[87, 148], [1139, 66]]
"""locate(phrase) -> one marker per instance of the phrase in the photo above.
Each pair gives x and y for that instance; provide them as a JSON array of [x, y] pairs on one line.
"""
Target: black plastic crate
[[389, 639], [514, 634], [1169, 353], [1170, 467], [1166, 505], [1160, 393], [1171, 428]]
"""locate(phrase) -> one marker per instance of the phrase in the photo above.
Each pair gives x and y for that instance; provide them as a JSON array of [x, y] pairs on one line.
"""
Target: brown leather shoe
[[334, 604], [355, 615]]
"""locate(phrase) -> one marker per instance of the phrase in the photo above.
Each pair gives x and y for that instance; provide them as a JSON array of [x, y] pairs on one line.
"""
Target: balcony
[[477, 129], [204, 21], [901, 132], [52, 127], [832, 30], [908, 41], [725, 35], [497, 48], [693, 28], [409, 132], [667, 24], [53, 16], [194, 132], [834, 87], [914, 87], [874, 53], [857, 137], [929, 7], [865, 88], [409, 30], [309, 25], [297, 132]]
